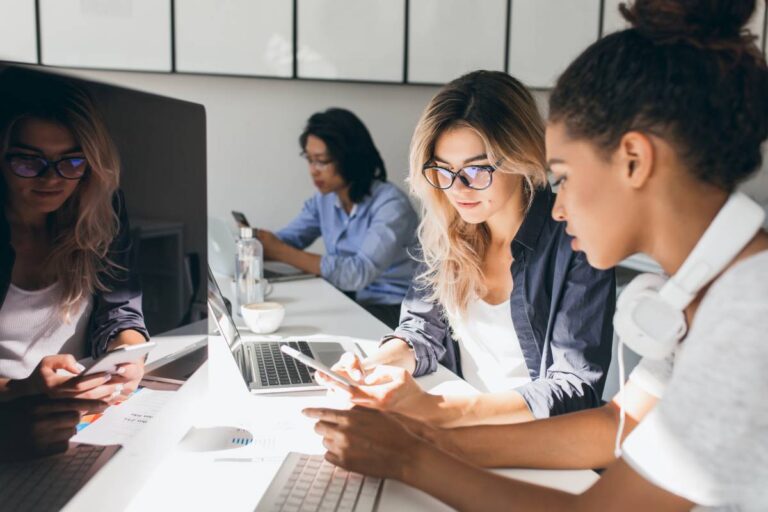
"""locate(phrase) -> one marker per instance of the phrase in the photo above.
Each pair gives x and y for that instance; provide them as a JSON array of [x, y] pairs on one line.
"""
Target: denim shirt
[[115, 310], [562, 311], [368, 251]]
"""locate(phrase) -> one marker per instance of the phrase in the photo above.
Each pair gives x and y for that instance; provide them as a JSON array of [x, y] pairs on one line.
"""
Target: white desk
[[153, 473]]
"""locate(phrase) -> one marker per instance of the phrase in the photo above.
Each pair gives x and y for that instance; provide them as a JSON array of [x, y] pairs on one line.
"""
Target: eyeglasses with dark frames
[[31, 166], [476, 177], [320, 165]]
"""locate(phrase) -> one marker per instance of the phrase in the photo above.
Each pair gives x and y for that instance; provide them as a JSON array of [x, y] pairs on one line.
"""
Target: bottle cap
[[246, 232]]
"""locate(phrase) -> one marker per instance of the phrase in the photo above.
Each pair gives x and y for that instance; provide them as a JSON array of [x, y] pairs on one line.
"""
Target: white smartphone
[[317, 365], [109, 361]]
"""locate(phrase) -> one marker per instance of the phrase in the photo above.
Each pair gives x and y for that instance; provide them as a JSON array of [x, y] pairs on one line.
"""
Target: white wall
[[254, 124]]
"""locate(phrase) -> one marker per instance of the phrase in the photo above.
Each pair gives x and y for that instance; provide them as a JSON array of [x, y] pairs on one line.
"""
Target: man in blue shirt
[[368, 226]]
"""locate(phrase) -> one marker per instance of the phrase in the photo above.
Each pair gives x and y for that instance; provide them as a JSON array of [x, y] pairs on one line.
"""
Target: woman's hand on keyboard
[[33, 426], [367, 441]]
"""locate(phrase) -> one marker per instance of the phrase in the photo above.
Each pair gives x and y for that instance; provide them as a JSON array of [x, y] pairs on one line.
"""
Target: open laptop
[[264, 368], [221, 251], [277, 271]]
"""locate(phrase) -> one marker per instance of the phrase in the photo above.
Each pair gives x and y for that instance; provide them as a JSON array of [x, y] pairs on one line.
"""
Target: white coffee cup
[[263, 317]]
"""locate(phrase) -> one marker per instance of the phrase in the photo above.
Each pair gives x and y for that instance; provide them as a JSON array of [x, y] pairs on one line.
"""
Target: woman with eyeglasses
[[66, 287], [651, 131], [367, 224], [501, 298]]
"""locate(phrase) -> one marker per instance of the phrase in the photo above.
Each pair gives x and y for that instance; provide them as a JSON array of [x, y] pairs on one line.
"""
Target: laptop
[[48, 483], [263, 366], [221, 252], [277, 272]]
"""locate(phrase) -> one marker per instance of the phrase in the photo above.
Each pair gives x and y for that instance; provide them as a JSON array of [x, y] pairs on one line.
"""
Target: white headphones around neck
[[650, 313], [650, 317]]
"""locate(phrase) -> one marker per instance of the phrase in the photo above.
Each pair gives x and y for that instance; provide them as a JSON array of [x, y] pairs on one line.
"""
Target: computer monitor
[[161, 143]]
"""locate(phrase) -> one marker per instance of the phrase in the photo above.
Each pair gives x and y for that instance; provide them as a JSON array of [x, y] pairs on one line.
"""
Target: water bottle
[[249, 269]]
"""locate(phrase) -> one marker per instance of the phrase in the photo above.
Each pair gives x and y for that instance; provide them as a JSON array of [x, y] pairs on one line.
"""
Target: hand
[[32, 426], [367, 441], [351, 367], [439, 437], [57, 377], [126, 380], [128, 375], [270, 243], [389, 388]]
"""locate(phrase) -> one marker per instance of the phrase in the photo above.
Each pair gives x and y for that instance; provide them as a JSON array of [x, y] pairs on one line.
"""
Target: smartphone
[[317, 365], [109, 361], [240, 219]]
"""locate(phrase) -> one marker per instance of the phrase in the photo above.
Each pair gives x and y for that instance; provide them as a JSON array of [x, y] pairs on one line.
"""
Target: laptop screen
[[227, 327]]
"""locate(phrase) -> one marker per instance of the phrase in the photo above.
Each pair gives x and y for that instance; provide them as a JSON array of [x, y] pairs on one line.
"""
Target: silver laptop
[[277, 272], [265, 369]]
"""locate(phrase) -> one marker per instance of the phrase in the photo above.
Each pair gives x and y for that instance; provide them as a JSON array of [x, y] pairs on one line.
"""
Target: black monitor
[[162, 146]]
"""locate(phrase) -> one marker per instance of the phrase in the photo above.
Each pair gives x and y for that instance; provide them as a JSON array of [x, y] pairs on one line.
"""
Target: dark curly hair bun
[[686, 71], [701, 22]]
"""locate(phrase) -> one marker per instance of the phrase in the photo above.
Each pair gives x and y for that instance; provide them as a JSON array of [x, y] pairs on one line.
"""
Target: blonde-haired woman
[[502, 299], [66, 287]]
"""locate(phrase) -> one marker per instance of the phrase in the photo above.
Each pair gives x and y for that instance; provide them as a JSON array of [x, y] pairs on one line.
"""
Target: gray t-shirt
[[707, 438]]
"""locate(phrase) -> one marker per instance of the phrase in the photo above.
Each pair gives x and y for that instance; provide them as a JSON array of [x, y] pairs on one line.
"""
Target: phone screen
[[317, 365], [240, 219]]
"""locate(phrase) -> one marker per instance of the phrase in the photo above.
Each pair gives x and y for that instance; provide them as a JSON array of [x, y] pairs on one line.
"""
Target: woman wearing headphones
[[501, 298], [367, 225], [651, 130], [66, 287]]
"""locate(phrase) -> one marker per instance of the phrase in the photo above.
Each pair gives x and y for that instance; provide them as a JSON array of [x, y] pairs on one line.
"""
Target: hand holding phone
[[109, 361], [317, 365]]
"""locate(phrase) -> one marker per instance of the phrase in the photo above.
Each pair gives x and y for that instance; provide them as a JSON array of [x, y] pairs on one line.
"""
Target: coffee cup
[[263, 317]]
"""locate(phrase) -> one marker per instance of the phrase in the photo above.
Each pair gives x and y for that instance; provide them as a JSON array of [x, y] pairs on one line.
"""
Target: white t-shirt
[[32, 327], [491, 357], [707, 438]]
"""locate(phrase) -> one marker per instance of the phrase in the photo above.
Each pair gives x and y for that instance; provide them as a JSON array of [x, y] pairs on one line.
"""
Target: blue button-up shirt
[[562, 310], [368, 251]]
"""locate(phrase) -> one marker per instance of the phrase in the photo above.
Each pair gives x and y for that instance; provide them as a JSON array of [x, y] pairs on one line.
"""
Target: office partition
[[447, 38], [237, 37], [112, 34]]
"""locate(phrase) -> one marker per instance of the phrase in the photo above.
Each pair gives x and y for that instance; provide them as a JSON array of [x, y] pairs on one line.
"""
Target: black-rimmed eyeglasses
[[320, 165], [476, 177], [30, 166]]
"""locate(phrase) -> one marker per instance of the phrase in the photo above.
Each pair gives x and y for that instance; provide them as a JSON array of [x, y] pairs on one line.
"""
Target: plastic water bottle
[[249, 269]]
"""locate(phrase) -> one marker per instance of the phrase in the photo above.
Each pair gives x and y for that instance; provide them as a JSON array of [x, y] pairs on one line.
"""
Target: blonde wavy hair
[[504, 114], [83, 228]]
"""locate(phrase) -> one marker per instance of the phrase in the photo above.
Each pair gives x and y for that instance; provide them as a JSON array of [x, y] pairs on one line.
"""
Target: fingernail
[[121, 370], [80, 368], [107, 377]]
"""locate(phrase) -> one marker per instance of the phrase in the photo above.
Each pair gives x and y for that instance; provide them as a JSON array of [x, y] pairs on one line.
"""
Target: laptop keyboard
[[278, 369], [311, 483], [47, 483]]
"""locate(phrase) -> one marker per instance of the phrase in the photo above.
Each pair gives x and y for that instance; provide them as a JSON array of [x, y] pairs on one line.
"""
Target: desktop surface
[[154, 471]]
